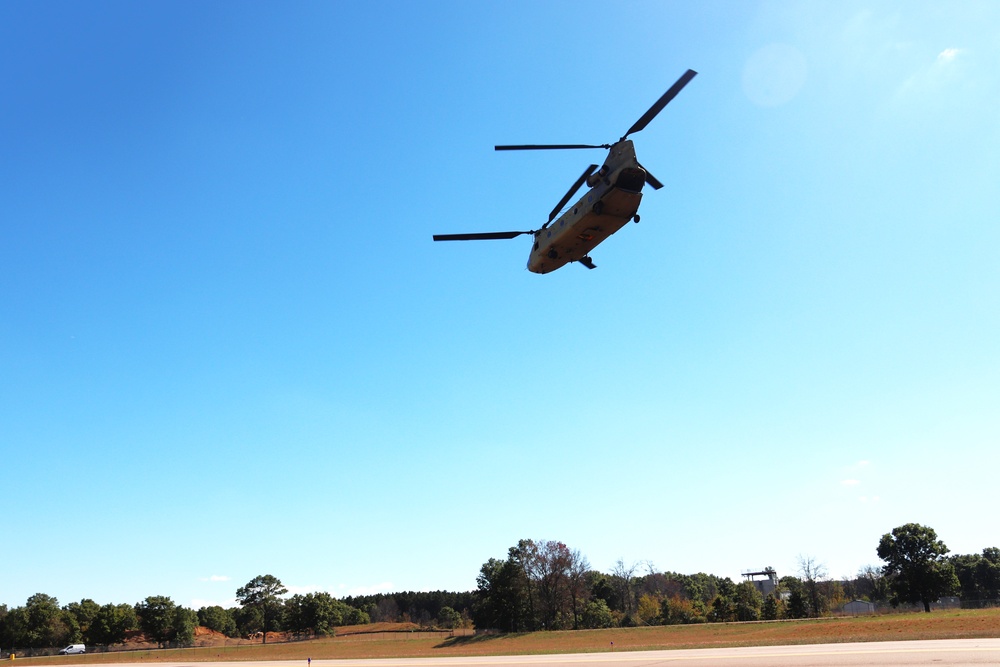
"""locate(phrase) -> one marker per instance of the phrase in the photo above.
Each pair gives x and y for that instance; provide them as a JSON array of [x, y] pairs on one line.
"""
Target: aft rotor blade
[[572, 191], [653, 181], [662, 102], [484, 236], [547, 147]]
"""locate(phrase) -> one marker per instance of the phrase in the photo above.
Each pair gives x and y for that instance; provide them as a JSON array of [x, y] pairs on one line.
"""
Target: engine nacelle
[[597, 176]]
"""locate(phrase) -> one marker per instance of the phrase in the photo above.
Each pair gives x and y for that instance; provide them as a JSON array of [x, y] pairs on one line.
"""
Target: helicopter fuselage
[[613, 197], [611, 202]]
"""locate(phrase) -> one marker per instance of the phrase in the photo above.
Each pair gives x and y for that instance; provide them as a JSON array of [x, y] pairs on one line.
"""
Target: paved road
[[952, 653]]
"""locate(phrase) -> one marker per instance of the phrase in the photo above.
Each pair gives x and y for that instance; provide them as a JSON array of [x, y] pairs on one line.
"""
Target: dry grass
[[952, 624]]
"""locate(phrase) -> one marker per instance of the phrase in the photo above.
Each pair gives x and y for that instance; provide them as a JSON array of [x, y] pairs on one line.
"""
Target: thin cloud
[[850, 482], [945, 70]]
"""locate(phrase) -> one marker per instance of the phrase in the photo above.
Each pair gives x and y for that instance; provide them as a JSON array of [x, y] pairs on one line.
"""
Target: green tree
[[264, 593], [41, 623], [701, 587], [83, 612], [723, 610], [218, 619], [978, 576], [748, 602], [597, 614], [798, 606], [111, 623], [355, 616], [156, 618], [12, 628], [723, 607], [166, 622], [771, 610], [965, 569], [183, 623], [504, 593], [600, 587], [6, 636], [248, 620], [319, 613], [988, 574], [916, 565], [449, 618]]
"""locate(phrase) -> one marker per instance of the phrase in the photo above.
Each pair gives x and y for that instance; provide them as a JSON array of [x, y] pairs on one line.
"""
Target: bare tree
[[623, 576], [813, 573], [387, 610], [578, 568], [654, 583], [872, 584], [550, 572]]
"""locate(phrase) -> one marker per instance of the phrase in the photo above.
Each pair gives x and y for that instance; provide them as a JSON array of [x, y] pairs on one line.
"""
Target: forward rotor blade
[[653, 181], [662, 102], [572, 191], [547, 147], [485, 236]]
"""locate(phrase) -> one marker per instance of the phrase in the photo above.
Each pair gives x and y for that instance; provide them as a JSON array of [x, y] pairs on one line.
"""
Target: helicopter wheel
[[598, 207], [635, 218]]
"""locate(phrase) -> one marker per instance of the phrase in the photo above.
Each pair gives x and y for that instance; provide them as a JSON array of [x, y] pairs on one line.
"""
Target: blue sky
[[228, 346]]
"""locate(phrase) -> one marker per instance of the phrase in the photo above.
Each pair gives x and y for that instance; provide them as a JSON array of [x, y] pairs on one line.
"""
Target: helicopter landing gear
[[635, 218], [598, 207], [552, 254], [587, 262]]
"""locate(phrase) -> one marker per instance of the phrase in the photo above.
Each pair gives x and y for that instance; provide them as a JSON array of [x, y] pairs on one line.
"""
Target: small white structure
[[858, 607]]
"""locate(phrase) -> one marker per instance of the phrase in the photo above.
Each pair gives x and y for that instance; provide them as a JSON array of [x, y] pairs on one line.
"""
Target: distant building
[[858, 607], [769, 582]]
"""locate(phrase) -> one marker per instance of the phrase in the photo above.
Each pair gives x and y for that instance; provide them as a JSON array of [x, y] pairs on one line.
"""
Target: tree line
[[545, 585], [263, 607], [42, 623], [539, 585]]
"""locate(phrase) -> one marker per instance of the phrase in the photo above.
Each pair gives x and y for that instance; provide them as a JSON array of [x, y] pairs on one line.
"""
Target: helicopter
[[612, 200]]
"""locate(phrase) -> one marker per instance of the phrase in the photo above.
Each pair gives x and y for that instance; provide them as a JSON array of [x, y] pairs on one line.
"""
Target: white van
[[73, 648]]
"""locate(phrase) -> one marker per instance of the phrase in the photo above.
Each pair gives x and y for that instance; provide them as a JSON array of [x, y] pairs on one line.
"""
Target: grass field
[[952, 624]]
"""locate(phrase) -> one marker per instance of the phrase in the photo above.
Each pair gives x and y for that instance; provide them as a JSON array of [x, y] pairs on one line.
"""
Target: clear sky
[[229, 347]]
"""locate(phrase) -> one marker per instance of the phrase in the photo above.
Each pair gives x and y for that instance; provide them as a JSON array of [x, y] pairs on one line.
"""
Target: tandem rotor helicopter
[[613, 199]]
